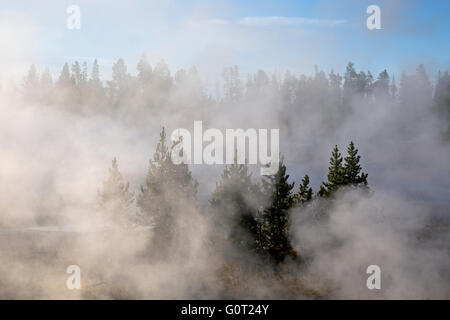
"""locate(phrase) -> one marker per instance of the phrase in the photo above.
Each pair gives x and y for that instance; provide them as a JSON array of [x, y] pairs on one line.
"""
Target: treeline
[[80, 90], [155, 90], [254, 216]]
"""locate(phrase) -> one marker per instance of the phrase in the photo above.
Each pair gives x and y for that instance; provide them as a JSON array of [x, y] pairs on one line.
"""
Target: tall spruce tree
[[232, 84], [117, 86], [274, 221], [169, 190], [46, 79], [161, 77], [441, 103], [381, 86], [76, 73], [350, 83], [305, 192], [116, 200], [84, 75], [234, 204], [95, 75], [352, 169], [144, 70], [336, 174], [64, 80], [31, 83], [95, 90], [46, 87], [415, 90]]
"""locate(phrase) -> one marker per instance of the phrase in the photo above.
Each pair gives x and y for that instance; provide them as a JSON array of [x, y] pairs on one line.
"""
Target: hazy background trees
[[155, 91]]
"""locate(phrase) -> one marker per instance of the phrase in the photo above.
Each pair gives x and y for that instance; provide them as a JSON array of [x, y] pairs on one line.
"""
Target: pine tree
[[46, 87], [144, 70], [161, 76], [31, 83], [232, 84], [336, 174], [352, 169], [95, 75], [64, 79], [305, 192], [118, 85], [423, 83], [415, 90], [170, 189], [381, 86], [116, 200], [76, 73], [233, 202], [32, 78], [441, 103], [46, 78], [368, 84], [84, 75], [350, 83], [340, 174], [274, 221]]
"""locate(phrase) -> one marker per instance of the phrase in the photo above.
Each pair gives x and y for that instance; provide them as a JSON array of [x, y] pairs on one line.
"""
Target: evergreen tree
[[46, 79], [288, 89], [46, 86], [232, 84], [144, 70], [340, 174], [84, 75], [274, 221], [118, 84], [65, 87], [180, 77], [350, 84], [352, 169], [381, 86], [415, 90], [336, 174], [116, 200], [161, 76], [305, 192], [76, 73], [441, 103], [64, 79], [119, 73], [195, 84], [423, 83], [233, 202], [356, 85], [367, 84], [169, 190], [261, 81], [95, 75], [95, 87], [32, 78], [31, 83], [334, 103]]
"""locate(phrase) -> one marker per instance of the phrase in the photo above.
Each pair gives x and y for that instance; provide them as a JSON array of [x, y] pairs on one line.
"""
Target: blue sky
[[272, 35]]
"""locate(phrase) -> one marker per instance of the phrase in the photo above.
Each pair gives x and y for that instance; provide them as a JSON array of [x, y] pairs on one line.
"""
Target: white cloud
[[268, 21], [286, 21], [212, 21]]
